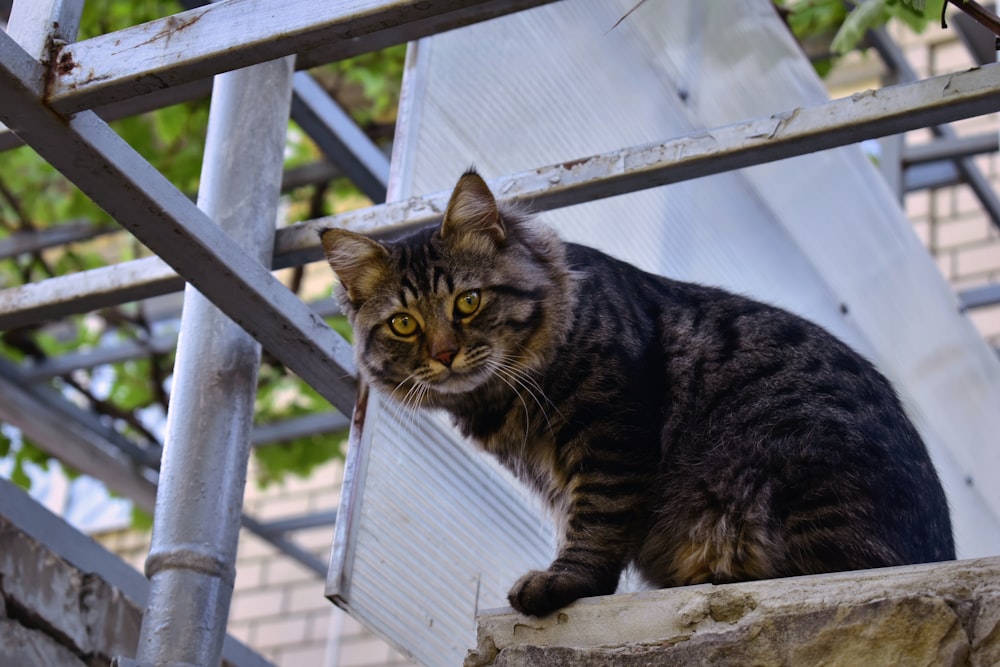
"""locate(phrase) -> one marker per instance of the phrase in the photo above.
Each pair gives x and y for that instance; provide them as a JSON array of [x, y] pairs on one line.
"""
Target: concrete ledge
[[54, 609], [938, 614]]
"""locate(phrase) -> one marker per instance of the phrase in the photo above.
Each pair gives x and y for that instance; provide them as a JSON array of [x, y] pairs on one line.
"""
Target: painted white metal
[[192, 555], [231, 34], [773, 136], [819, 234], [118, 179], [89, 290]]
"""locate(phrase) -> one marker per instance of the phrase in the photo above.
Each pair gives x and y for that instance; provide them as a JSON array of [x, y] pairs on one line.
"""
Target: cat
[[698, 435]]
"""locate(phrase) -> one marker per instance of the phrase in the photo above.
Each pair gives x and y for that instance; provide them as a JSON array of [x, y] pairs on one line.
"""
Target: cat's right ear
[[359, 262]]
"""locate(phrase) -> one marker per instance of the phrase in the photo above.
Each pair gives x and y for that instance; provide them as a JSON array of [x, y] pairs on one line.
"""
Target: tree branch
[[980, 14]]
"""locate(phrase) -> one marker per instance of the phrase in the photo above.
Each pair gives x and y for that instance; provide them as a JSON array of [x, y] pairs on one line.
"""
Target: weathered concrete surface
[[53, 609], [21, 646], [940, 614]]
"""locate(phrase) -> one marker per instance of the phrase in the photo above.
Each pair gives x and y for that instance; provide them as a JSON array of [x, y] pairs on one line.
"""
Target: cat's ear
[[472, 210], [359, 262]]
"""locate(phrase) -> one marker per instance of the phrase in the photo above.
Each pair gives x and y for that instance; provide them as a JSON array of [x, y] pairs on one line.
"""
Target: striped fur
[[696, 434]]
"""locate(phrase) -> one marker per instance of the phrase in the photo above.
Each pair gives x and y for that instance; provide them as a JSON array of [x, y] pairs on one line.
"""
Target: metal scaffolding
[[58, 96]]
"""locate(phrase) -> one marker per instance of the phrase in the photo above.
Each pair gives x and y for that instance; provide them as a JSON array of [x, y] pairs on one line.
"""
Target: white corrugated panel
[[430, 530]]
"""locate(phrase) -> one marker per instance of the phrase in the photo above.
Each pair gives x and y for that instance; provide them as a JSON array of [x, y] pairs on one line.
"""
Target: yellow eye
[[467, 302], [403, 324]]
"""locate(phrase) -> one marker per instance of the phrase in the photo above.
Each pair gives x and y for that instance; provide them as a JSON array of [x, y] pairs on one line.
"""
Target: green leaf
[[5, 443], [19, 476], [866, 15], [141, 519]]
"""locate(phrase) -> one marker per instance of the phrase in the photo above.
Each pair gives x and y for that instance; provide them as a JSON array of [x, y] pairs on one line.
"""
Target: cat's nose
[[445, 356]]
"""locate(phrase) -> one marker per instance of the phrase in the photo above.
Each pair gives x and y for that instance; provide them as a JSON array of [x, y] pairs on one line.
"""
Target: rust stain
[[65, 64], [574, 163], [173, 26], [58, 63]]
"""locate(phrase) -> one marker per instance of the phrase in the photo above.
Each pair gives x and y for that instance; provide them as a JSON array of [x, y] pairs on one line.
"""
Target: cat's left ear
[[359, 262], [472, 210]]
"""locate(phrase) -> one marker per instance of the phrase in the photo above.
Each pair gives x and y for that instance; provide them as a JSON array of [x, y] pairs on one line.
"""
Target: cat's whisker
[[502, 373], [409, 402], [521, 374]]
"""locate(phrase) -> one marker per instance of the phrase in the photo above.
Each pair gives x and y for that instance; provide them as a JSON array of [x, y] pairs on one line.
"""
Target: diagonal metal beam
[[71, 435], [844, 121], [339, 137], [119, 180], [228, 35]]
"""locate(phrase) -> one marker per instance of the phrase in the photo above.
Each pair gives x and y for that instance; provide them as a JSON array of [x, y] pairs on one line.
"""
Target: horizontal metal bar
[[319, 171], [298, 427], [931, 175], [119, 180], [86, 291], [40, 371], [312, 173], [979, 297], [844, 121], [285, 546], [848, 120], [122, 351], [944, 148], [303, 522], [228, 35], [67, 433], [61, 234]]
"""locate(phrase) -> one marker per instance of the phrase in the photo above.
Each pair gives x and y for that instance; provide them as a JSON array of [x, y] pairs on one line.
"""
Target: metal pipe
[[191, 562]]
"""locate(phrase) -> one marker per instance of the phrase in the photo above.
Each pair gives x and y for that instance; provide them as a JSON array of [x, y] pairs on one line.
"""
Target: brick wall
[[950, 220]]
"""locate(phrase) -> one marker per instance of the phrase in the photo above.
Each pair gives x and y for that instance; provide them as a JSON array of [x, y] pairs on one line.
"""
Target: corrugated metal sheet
[[431, 530]]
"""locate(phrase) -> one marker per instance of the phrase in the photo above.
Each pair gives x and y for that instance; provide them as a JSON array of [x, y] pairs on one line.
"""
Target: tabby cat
[[698, 435]]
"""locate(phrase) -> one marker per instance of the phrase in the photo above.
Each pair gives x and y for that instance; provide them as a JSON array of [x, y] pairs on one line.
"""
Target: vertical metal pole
[[191, 562]]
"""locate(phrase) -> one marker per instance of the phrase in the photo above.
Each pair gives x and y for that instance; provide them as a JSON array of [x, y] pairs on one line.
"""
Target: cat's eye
[[467, 302], [403, 324]]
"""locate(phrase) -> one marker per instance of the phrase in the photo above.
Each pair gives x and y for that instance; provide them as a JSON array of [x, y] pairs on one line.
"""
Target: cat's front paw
[[539, 593]]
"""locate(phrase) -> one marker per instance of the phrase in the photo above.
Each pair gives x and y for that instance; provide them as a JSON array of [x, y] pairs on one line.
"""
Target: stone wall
[[941, 614], [54, 614]]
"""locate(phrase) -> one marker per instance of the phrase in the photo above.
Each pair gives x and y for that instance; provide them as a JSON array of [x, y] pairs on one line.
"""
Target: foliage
[[846, 23], [133, 395]]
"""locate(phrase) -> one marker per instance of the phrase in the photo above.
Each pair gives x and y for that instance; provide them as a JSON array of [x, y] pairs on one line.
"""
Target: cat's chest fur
[[520, 435]]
